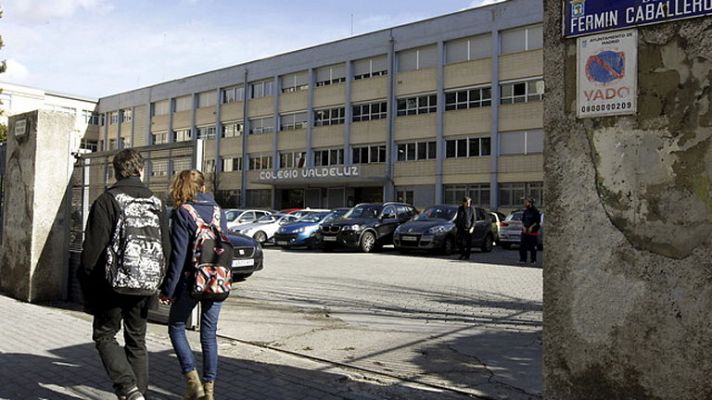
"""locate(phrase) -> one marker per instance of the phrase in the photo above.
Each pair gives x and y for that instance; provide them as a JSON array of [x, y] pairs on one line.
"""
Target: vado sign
[[607, 81], [319, 172]]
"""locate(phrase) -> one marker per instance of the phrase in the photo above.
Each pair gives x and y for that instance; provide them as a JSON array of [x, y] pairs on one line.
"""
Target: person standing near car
[[188, 188], [465, 224], [125, 251], [531, 219]]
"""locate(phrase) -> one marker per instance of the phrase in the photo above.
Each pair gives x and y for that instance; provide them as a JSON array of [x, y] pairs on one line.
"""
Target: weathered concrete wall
[[34, 254], [628, 274]]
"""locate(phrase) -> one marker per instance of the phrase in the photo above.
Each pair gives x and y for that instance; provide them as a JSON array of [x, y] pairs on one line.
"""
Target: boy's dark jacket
[[97, 236]]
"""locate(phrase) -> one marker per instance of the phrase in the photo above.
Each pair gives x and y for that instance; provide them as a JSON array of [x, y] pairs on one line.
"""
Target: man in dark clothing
[[530, 231], [127, 367], [465, 224]]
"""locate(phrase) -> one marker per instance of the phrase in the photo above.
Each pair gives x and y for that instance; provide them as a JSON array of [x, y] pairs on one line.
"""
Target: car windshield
[[365, 211], [333, 216], [517, 216], [313, 217], [232, 215], [437, 214], [266, 218]]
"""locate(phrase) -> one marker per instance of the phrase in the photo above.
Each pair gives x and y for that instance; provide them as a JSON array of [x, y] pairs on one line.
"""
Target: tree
[[3, 66]]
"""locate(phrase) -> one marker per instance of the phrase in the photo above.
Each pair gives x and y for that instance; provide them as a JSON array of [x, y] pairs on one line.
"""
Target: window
[[522, 39], [261, 125], [478, 192], [206, 132], [230, 164], [367, 112], [126, 115], [182, 135], [417, 151], [114, 118], [329, 116], [93, 118], [295, 82], [292, 121], [416, 59], [161, 107], [181, 164], [233, 94], [369, 154], [259, 197], [292, 159], [468, 147], [91, 145], [370, 67], [330, 75], [467, 49], [159, 168], [404, 196], [262, 89], [468, 98], [522, 92], [512, 194], [417, 105], [113, 144], [209, 166], [258, 162], [232, 129], [328, 157], [124, 142], [207, 99], [527, 142], [159, 137], [183, 103]]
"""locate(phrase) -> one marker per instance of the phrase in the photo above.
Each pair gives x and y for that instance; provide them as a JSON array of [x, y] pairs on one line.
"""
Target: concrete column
[[120, 121], [193, 112], [628, 245], [348, 113], [133, 126], [245, 132], [494, 132], [439, 124], [388, 188], [275, 138], [149, 112], [218, 137], [171, 108], [310, 119], [34, 253]]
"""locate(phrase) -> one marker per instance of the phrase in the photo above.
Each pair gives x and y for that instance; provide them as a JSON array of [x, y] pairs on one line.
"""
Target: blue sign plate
[[585, 17]]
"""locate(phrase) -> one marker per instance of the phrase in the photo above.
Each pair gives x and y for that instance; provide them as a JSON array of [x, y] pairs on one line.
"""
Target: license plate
[[329, 238], [282, 243], [243, 263], [409, 238]]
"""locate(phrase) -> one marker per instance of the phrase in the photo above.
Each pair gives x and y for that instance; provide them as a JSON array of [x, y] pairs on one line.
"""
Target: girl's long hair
[[186, 185]]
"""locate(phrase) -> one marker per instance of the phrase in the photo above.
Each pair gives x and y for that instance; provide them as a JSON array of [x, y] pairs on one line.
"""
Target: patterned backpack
[[212, 258], [135, 263]]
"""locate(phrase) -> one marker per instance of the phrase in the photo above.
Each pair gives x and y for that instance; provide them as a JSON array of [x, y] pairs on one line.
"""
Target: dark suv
[[367, 226]]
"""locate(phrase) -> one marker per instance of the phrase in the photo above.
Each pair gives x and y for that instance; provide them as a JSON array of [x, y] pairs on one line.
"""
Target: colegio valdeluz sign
[[583, 17], [307, 173]]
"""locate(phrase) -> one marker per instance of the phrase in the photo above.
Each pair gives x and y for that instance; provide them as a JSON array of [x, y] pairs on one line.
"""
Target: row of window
[[417, 151], [510, 194]]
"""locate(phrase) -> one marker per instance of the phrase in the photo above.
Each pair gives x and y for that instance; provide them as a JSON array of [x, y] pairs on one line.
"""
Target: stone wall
[[628, 274]]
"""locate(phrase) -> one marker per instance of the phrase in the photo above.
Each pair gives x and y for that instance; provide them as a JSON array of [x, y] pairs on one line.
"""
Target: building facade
[[426, 112]]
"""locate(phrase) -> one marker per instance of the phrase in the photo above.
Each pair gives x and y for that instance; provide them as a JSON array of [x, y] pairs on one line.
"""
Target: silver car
[[510, 231]]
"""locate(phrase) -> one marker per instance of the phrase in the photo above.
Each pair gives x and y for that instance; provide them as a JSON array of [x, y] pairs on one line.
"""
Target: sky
[[96, 48]]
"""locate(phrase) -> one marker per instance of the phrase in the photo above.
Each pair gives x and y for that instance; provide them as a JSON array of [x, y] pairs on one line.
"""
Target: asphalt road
[[473, 326]]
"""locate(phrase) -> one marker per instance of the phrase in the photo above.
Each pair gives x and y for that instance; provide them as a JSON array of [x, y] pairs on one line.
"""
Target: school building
[[425, 112]]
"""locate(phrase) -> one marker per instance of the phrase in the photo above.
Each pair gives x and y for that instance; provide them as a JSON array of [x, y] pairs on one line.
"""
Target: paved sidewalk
[[47, 353]]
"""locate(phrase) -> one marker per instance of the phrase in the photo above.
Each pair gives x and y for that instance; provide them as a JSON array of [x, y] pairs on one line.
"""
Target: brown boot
[[209, 388], [193, 389]]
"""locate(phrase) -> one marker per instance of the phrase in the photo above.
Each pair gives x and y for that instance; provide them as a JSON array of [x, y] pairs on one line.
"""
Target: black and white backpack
[[135, 263]]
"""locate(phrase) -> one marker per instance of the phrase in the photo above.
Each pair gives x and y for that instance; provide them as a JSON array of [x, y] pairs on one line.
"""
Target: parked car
[[367, 226], [236, 216], [304, 231], [511, 231], [264, 228], [434, 229], [497, 218]]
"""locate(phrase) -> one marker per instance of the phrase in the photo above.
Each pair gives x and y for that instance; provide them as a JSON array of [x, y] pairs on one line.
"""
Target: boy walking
[[125, 252]]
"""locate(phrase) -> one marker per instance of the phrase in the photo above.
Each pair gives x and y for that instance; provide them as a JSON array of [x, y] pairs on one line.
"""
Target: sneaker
[[132, 394]]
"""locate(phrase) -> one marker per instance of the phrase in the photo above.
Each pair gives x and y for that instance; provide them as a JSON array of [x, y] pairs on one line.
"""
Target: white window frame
[[522, 98], [468, 103]]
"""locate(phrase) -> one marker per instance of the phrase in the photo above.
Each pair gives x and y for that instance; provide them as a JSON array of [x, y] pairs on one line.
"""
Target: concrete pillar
[[439, 125], [34, 254], [388, 188], [348, 113], [310, 119], [245, 132], [628, 250], [494, 131]]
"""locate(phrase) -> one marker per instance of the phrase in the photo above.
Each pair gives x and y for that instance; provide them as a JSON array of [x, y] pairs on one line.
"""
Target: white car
[[264, 228], [237, 217]]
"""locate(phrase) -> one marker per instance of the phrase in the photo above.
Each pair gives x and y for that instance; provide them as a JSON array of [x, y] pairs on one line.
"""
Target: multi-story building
[[17, 99], [425, 112]]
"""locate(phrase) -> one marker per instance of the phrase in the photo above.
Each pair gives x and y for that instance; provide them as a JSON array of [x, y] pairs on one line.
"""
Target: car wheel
[[507, 246], [368, 242], [487, 244], [260, 237], [448, 246]]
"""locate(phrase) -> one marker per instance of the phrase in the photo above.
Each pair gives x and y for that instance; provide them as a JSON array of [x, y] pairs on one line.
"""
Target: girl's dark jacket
[[101, 223], [183, 230]]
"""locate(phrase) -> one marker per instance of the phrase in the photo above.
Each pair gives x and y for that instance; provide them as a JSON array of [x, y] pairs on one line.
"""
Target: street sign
[[606, 82], [20, 128], [584, 17]]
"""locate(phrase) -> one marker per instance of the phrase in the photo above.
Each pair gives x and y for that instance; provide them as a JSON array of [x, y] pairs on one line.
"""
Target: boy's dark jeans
[[127, 367]]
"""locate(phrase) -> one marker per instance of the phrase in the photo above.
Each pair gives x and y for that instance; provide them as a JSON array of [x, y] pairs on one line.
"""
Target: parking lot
[[471, 326]]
